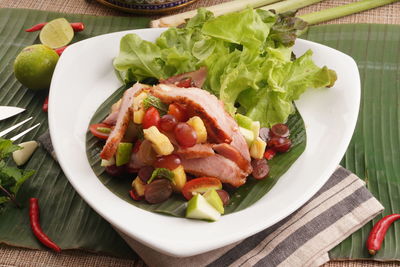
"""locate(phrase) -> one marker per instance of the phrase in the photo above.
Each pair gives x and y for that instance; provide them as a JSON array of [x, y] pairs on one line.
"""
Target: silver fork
[[14, 138]]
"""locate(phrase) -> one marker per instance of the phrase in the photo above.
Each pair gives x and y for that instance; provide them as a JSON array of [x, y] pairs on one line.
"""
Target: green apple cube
[[124, 152], [214, 199], [244, 121], [199, 208], [248, 135]]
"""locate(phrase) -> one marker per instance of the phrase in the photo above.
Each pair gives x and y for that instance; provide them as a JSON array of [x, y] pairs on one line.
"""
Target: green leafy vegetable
[[11, 178], [152, 101], [248, 55], [161, 173]]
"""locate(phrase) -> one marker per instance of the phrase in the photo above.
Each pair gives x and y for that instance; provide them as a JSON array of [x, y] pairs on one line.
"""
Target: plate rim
[[182, 250]]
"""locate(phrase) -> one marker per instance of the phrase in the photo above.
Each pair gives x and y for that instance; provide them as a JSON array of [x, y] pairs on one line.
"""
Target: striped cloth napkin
[[341, 207], [304, 238]]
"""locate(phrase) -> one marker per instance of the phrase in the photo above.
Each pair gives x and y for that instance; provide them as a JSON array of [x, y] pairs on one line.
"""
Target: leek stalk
[[227, 7], [288, 5], [344, 10]]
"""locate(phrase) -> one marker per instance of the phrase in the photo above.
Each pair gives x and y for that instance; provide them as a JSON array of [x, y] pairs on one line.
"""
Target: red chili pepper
[[36, 27], [378, 232], [45, 106], [35, 225], [134, 196], [269, 153], [76, 26], [60, 50]]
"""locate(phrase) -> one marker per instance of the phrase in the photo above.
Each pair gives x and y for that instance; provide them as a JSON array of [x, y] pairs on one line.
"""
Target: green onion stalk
[[220, 9]]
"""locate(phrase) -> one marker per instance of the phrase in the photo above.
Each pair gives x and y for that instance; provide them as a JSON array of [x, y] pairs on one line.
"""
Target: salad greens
[[11, 178], [248, 56]]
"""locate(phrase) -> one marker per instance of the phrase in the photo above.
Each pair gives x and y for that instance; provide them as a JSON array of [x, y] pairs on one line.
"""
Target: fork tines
[[6, 131]]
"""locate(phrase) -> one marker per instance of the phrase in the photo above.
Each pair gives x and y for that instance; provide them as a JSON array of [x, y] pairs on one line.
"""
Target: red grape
[[113, 170], [260, 168], [151, 118], [145, 173], [224, 196], [264, 134], [185, 135], [178, 112], [158, 191], [169, 162], [280, 130], [168, 122], [280, 144]]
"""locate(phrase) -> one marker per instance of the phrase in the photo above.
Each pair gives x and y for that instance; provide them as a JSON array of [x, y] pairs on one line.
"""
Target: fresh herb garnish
[[11, 178], [152, 101], [161, 173]]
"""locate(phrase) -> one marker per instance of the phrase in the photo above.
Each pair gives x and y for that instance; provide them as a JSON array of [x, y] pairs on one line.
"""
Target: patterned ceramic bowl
[[146, 6]]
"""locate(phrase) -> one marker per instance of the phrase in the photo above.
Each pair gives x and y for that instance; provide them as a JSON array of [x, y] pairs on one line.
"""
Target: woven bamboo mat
[[23, 257]]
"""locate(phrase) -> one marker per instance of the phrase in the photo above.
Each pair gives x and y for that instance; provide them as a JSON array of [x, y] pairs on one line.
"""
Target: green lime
[[34, 66], [56, 33]]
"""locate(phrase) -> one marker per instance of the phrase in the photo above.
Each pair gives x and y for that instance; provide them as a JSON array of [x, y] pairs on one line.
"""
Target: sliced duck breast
[[196, 151], [216, 166], [221, 127], [230, 152], [124, 116], [197, 78], [201, 103]]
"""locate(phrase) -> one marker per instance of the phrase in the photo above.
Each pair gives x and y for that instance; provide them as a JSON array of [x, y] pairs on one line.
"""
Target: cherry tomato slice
[[151, 118], [178, 112], [94, 129], [200, 185], [186, 83], [134, 195]]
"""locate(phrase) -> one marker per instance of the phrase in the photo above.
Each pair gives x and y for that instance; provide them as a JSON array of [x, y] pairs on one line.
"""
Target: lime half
[[56, 33]]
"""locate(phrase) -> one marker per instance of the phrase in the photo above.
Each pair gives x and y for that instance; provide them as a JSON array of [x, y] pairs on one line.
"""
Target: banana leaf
[[373, 153], [65, 217], [241, 198]]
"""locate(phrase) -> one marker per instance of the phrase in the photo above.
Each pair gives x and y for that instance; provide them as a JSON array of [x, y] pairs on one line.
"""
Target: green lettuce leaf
[[285, 82], [138, 59], [248, 55]]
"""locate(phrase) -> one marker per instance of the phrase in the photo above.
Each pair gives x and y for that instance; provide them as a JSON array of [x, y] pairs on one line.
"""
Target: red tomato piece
[[269, 154], [94, 129], [178, 112], [186, 83], [151, 118], [45, 106], [134, 195], [200, 185]]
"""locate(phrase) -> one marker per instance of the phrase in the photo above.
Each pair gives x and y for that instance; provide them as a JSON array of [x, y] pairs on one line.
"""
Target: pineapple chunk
[[139, 186], [138, 109], [198, 126], [257, 149], [179, 179], [138, 116], [159, 141]]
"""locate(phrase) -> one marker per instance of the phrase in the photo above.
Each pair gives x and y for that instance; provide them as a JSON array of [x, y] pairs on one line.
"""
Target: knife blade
[[7, 112]]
